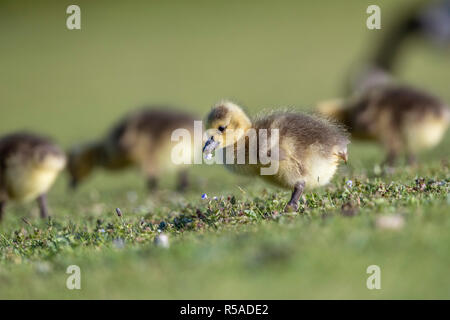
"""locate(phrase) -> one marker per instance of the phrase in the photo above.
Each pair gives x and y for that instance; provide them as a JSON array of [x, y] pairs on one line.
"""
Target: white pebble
[[43, 267], [392, 222], [132, 196], [162, 240], [377, 170]]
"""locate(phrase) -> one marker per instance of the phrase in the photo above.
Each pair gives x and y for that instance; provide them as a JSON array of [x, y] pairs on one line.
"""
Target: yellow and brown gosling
[[401, 118], [141, 139], [306, 154], [29, 164]]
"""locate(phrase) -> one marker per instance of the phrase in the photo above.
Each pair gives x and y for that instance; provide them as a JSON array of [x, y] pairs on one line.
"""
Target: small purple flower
[[349, 183], [204, 196], [119, 213], [215, 198]]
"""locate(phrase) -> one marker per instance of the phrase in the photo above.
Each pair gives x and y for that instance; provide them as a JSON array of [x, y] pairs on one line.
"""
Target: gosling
[[402, 119], [141, 139], [308, 148], [29, 165]]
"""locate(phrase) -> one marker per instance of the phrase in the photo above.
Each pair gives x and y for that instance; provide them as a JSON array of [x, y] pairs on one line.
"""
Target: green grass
[[74, 84]]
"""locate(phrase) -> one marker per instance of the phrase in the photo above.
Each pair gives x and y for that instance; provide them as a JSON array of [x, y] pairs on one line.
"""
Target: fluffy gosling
[[29, 164], [141, 139], [309, 148], [402, 119]]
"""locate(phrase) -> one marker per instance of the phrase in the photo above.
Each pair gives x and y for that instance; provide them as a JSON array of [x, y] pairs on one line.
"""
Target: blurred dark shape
[[430, 21], [141, 139]]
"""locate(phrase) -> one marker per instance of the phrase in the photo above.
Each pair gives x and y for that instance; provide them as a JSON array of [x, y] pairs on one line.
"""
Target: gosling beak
[[343, 156], [210, 145]]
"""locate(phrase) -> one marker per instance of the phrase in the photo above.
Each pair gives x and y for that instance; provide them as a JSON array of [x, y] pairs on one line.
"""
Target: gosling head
[[226, 124], [80, 164]]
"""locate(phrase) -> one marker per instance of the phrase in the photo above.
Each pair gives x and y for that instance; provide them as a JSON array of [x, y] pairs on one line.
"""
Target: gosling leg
[[390, 159], [2, 209], [411, 159], [293, 203], [183, 181], [42, 202], [152, 183]]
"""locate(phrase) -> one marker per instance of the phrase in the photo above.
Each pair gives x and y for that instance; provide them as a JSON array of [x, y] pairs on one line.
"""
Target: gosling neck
[[387, 54], [96, 154]]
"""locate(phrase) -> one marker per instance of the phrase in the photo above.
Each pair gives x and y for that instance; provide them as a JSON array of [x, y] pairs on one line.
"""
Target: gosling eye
[[222, 128]]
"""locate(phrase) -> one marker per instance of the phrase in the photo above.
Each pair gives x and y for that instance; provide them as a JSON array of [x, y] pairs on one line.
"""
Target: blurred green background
[[74, 84]]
